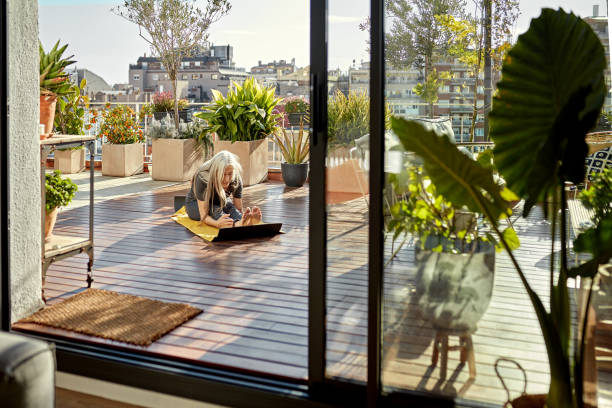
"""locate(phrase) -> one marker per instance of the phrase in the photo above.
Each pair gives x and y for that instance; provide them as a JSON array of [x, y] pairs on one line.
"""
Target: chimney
[[595, 10], [259, 63], [145, 55]]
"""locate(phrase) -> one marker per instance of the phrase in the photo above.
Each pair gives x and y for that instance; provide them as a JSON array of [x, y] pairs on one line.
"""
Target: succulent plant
[[53, 79]]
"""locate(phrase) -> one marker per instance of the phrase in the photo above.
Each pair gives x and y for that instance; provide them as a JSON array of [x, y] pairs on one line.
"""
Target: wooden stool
[[465, 346]]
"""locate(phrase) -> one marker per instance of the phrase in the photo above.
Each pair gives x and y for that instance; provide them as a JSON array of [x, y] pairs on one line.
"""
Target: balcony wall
[[24, 171]]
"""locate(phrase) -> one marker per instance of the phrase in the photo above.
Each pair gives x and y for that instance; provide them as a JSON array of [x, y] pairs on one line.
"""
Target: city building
[[211, 67], [600, 26]]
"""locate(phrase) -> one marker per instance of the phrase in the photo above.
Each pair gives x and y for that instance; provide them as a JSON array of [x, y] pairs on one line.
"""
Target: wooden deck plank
[[254, 294]]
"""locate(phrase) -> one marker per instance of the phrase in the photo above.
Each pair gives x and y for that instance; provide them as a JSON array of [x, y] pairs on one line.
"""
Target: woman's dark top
[[199, 185]]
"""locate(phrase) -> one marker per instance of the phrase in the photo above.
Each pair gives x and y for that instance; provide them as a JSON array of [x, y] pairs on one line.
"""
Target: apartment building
[[600, 26], [211, 67]]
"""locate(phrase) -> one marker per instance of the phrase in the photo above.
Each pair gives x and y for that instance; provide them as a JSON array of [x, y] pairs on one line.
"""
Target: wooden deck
[[254, 294]]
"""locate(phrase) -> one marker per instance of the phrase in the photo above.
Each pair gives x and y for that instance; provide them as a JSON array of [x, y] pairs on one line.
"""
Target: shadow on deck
[[255, 299]]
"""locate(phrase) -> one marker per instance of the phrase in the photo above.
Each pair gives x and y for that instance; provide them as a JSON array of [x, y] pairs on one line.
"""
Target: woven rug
[[115, 316]]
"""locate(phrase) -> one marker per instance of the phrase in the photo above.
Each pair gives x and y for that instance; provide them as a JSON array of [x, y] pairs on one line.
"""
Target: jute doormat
[[115, 316]]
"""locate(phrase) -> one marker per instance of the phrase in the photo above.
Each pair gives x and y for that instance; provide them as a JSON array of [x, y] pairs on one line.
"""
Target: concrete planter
[[69, 161], [176, 159], [253, 158], [122, 160], [345, 174], [453, 291]]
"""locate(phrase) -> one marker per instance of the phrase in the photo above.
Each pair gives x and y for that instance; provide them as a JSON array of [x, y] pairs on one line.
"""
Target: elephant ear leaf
[[550, 94], [598, 242], [458, 178]]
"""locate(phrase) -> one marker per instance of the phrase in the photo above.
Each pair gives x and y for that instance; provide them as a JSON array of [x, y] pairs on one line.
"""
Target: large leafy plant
[[245, 114], [550, 94], [53, 78], [59, 191], [70, 111], [164, 102]]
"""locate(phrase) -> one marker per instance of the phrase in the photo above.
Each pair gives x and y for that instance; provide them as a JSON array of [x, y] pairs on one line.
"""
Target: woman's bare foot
[[256, 219], [246, 218]]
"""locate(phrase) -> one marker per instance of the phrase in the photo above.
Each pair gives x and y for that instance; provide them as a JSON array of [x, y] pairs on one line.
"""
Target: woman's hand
[[225, 221]]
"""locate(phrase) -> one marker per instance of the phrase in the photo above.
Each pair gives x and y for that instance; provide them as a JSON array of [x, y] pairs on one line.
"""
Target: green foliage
[[59, 191], [598, 197], [348, 118], [294, 151], [121, 125], [196, 129], [53, 79], [540, 115], [246, 113], [428, 90], [70, 111], [539, 123], [296, 105]]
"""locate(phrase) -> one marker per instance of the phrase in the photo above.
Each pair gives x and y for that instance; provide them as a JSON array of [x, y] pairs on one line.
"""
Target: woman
[[208, 199]]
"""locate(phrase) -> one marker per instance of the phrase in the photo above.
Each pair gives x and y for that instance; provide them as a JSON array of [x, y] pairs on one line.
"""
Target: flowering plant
[[296, 105], [164, 102], [121, 125]]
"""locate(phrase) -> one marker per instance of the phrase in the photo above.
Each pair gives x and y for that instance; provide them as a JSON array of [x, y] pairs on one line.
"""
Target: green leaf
[[461, 180], [596, 241], [511, 238], [541, 114]]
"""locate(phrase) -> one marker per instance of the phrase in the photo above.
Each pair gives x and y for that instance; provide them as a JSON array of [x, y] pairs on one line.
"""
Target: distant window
[[155, 77], [195, 76], [136, 77], [214, 76], [197, 63], [185, 76]]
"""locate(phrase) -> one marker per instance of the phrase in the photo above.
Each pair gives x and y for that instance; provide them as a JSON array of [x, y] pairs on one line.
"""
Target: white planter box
[[345, 174], [176, 159], [253, 158], [121, 160], [69, 161]]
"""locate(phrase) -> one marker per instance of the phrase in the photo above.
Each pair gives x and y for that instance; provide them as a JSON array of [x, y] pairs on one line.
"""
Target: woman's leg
[[191, 207]]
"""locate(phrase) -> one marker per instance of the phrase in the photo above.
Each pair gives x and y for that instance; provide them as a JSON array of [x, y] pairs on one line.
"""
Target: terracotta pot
[[47, 113], [529, 401], [50, 219]]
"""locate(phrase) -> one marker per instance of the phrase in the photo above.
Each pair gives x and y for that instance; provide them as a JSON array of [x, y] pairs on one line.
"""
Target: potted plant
[[59, 193], [598, 196], [70, 118], [455, 258], [177, 155], [242, 121], [539, 122], [294, 168], [123, 151], [53, 83], [162, 105], [297, 110]]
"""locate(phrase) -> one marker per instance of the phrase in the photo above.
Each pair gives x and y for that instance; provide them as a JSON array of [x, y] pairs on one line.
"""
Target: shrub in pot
[[598, 196], [242, 121], [122, 153], [455, 259], [162, 105], [297, 110], [295, 151], [54, 83], [178, 154], [539, 122], [59, 192], [70, 118]]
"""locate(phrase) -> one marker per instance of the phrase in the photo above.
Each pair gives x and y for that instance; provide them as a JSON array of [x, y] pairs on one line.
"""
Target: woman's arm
[[238, 203], [205, 218]]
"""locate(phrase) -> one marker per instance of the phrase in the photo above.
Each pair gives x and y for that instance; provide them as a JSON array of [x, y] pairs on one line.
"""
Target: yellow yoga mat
[[205, 232]]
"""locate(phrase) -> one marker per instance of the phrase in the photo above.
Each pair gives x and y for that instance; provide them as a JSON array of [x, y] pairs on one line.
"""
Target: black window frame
[[225, 386]]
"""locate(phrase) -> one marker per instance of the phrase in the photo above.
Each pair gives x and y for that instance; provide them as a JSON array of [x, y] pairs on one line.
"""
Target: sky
[[263, 30]]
